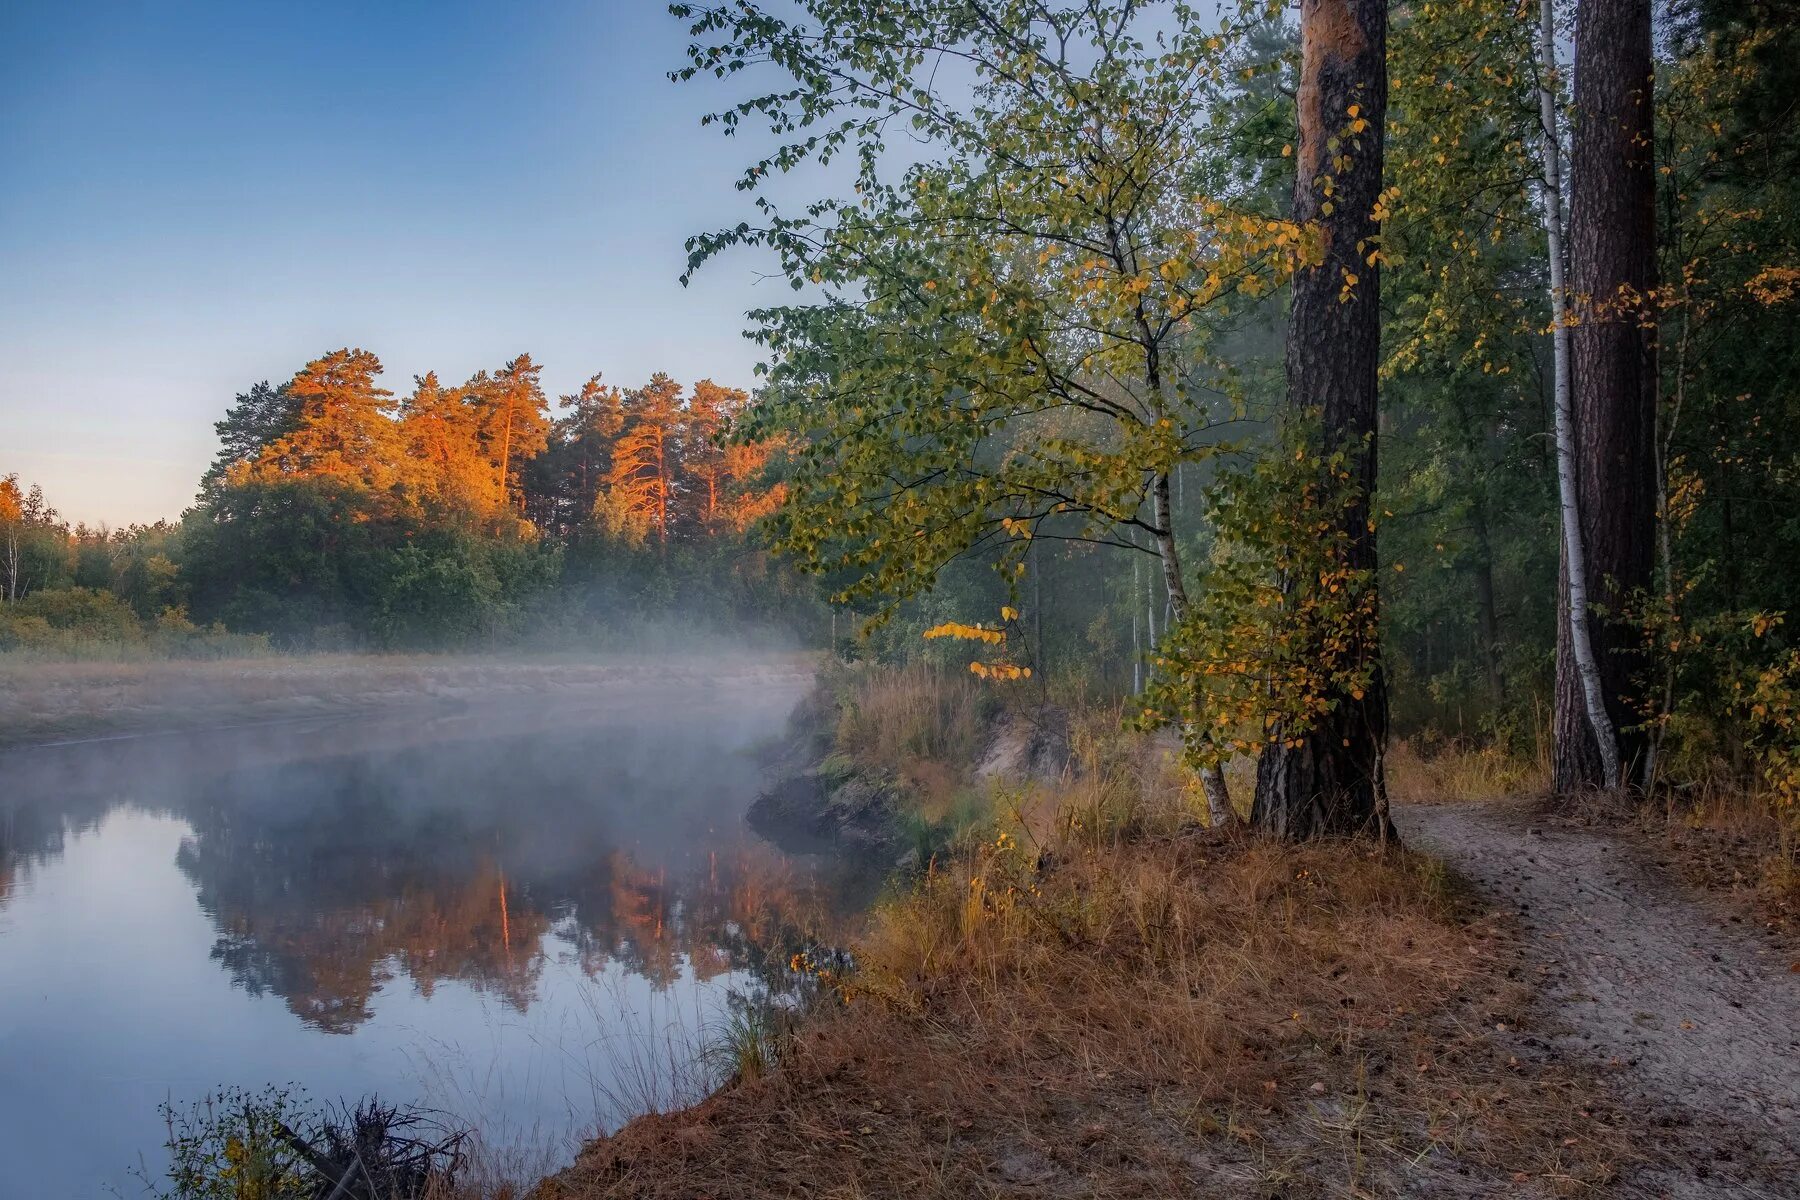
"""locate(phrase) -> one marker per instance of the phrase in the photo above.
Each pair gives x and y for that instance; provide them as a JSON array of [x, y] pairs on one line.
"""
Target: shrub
[[85, 612]]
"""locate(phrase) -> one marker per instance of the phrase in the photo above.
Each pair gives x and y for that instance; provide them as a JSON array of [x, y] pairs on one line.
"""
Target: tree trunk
[[1330, 781], [12, 561], [1212, 779], [1612, 260], [662, 491], [506, 453], [1137, 648], [1574, 632], [1488, 609]]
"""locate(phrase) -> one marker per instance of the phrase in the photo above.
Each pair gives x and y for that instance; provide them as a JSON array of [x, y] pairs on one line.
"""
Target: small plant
[[275, 1144], [753, 1038], [1288, 628], [228, 1146]]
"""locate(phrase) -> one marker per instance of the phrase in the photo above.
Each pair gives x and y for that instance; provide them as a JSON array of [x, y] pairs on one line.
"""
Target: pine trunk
[[506, 453], [1330, 782], [1612, 237]]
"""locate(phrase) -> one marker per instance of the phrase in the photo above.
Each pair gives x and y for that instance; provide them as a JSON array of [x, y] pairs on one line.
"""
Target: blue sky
[[195, 196]]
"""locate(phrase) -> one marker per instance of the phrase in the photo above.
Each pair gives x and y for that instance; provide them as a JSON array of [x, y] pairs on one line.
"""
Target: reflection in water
[[487, 896]]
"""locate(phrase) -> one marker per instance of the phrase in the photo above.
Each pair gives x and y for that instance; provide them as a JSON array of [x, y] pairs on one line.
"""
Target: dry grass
[[1114, 1002], [920, 725], [1716, 834], [890, 718], [1461, 772]]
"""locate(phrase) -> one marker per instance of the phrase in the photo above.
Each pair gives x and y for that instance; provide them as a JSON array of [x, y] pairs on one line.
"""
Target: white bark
[[1137, 650], [1580, 639], [12, 563], [1150, 612]]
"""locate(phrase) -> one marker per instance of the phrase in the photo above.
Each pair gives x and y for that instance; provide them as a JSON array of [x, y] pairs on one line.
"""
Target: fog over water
[[527, 911]]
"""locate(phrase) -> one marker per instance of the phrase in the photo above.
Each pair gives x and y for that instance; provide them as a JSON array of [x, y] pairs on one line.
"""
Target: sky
[[195, 196]]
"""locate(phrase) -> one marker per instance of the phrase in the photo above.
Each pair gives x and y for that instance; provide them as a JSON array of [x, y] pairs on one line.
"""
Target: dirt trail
[[1688, 1011]]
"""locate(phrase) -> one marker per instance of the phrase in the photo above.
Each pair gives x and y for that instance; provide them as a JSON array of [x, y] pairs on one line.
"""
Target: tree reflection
[[329, 879], [338, 860]]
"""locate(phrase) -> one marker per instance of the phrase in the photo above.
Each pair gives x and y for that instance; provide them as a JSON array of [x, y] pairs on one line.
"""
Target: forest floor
[[1686, 1005]]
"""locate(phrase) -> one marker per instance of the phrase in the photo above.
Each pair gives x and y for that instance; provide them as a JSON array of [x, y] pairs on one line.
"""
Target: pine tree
[[257, 418], [1612, 259], [640, 486], [344, 430], [703, 458], [1327, 779], [445, 461], [581, 445], [515, 420]]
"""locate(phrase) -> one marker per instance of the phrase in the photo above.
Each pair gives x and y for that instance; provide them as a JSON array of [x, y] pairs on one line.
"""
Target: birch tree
[[1575, 570], [1613, 368], [1008, 338]]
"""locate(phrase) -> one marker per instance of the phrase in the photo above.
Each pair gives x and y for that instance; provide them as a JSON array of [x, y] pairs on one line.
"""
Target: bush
[[86, 612], [86, 623], [21, 632]]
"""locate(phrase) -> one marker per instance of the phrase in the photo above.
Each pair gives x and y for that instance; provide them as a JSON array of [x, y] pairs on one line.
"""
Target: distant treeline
[[338, 516]]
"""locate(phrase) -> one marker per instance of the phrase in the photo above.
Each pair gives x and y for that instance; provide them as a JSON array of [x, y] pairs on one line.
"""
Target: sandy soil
[[48, 703], [1686, 1009]]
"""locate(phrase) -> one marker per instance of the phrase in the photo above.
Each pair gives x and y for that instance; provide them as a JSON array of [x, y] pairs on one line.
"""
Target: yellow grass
[[1460, 772]]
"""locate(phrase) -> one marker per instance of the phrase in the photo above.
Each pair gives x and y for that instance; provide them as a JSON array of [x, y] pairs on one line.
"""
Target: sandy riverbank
[[45, 702]]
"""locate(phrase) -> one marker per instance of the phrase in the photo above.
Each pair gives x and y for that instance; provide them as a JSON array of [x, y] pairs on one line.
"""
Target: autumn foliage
[[644, 462]]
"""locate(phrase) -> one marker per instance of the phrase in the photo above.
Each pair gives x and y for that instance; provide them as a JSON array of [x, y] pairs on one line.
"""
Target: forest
[[336, 516], [1424, 383]]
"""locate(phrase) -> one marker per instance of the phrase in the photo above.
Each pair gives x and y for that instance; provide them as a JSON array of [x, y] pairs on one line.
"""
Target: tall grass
[[892, 719], [1460, 771]]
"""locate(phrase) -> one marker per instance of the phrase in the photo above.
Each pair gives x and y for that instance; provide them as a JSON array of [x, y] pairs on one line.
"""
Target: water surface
[[529, 913]]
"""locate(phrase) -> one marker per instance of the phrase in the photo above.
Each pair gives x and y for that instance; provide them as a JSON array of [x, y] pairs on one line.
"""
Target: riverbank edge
[[827, 1082], [817, 798]]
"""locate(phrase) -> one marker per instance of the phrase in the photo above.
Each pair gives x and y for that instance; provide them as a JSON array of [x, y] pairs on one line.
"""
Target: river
[[530, 914]]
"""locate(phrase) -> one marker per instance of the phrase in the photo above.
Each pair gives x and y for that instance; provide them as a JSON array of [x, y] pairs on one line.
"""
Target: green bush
[[88, 613]]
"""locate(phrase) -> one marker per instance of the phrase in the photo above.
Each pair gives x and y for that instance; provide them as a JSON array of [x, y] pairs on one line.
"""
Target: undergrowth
[[1461, 771], [894, 719]]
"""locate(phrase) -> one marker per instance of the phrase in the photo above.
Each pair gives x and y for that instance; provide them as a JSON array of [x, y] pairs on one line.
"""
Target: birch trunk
[[1568, 491], [1212, 779], [1137, 648]]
